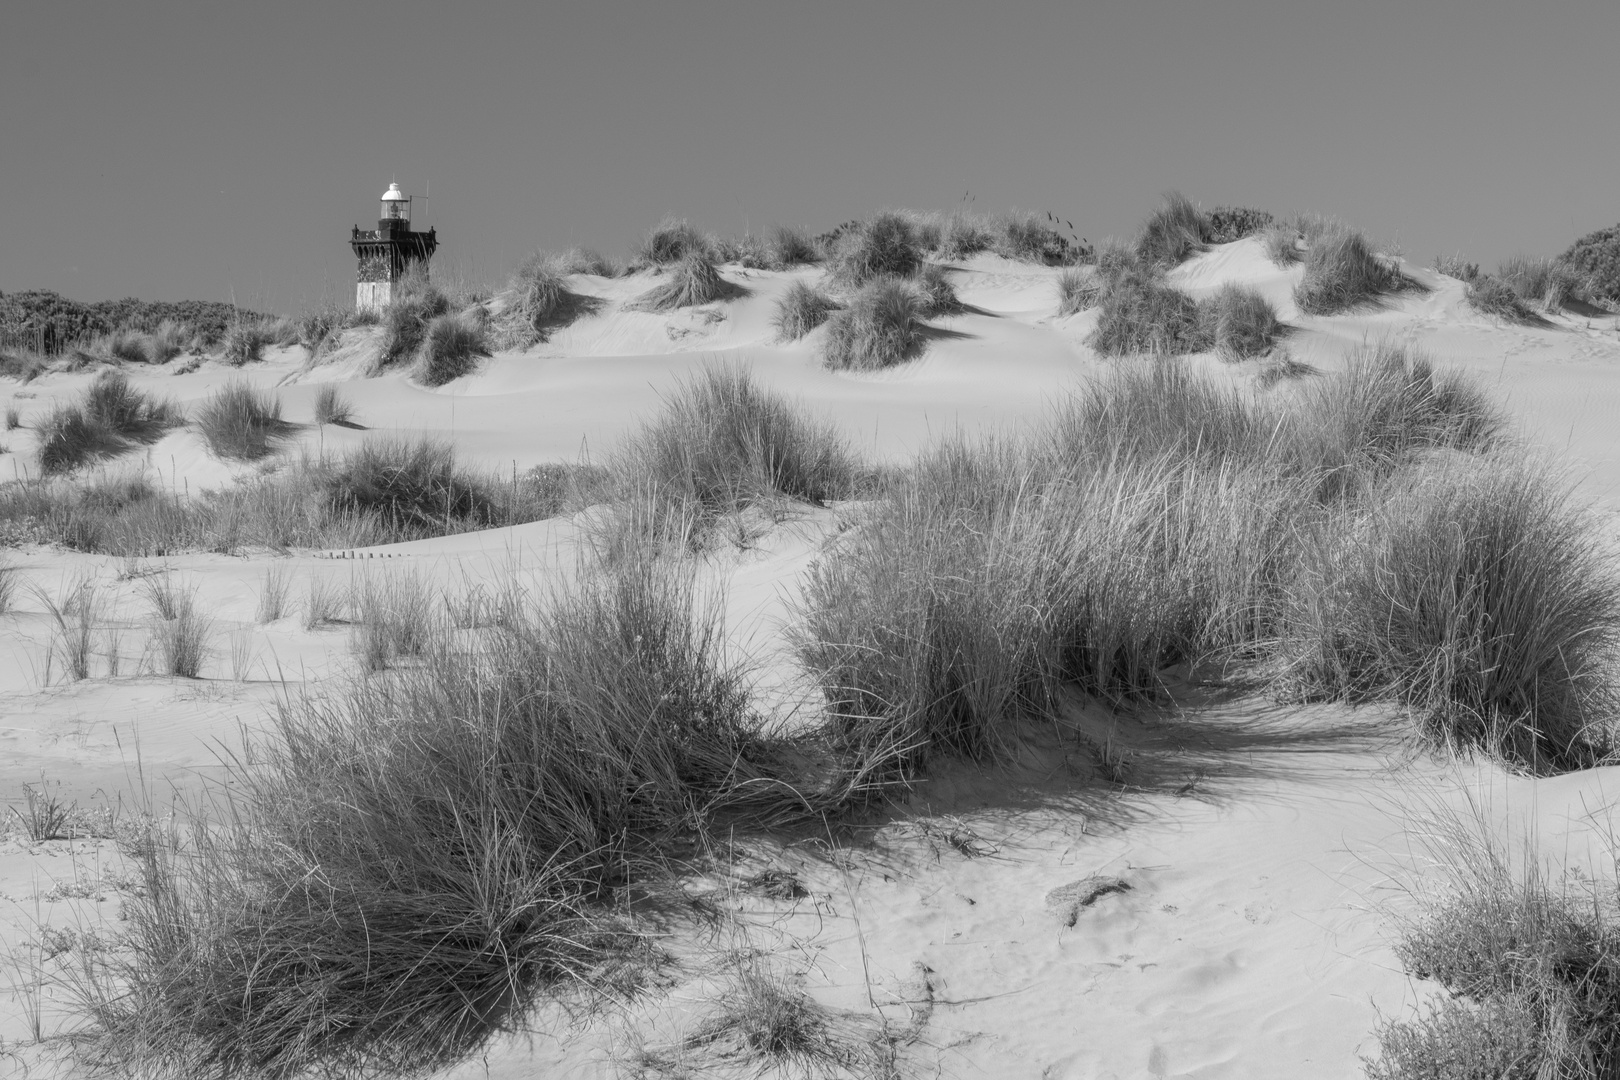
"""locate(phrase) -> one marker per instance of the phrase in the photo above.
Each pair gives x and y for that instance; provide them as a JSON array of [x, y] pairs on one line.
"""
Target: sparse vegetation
[[242, 423], [1077, 290], [1546, 283], [539, 300], [1342, 272], [880, 327], [578, 260], [800, 309], [694, 281], [451, 349], [792, 247], [179, 630], [111, 418], [331, 407]]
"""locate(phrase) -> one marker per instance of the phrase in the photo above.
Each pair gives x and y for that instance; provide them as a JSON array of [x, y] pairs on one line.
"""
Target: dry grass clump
[[1532, 967], [1027, 236], [405, 321], [1240, 322], [426, 853], [789, 246], [1477, 596], [800, 309], [1547, 283], [412, 485], [1172, 233], [694, 281], [578, 260], [179, 631], [1490, 295], [240, 422], [1077, 290], [883, 246], [331, 407], [671, 241], [933, 283], [1342, 271], [539, 301], [110, 418], [880, 327], [721, 444], [962, 236], [451, 349], [1141, 314]]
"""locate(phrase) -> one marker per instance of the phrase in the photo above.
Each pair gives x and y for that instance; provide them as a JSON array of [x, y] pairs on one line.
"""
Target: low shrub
[[110, 418], [938, 295], [883, 246], [1475, 595], [1229, 223], [1141, 314], [1342, 272], [880, 327], [694, 281], [240, 422], [1594, 260], [451, 350], [1077, 290], [1532, 968], [1490, 295], [1172, 233], [672, 241], [414, 486], [792, 247], [800, 309], [1240, 322]]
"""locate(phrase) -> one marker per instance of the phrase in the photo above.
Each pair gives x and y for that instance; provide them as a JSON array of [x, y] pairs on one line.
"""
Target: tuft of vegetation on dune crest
[[539, 300], [110, 418], [694, 281]]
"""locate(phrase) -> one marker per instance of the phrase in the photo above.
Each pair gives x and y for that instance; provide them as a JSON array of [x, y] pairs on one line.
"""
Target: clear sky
[[213, 151]]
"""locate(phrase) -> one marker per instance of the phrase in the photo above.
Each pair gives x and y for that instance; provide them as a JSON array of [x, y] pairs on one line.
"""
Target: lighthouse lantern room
[[385, 253]]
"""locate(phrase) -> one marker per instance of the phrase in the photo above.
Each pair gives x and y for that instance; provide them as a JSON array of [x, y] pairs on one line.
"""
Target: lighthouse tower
[[387, 251]]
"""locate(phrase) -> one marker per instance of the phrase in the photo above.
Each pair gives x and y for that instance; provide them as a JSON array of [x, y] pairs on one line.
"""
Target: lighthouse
[[386, 252]]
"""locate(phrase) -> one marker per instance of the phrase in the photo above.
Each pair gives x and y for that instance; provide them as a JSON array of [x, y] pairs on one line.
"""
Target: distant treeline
[[47, 322]]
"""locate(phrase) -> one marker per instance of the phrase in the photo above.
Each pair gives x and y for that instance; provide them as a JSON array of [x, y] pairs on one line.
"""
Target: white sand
[[1255, 938]]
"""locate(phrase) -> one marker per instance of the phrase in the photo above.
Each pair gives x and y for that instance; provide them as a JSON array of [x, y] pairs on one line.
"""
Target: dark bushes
[[1594, 260], [1229, 223]]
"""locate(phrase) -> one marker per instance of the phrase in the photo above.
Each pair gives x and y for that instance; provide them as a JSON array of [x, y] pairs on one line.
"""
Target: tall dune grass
[[1342, 271], [800, 309], [110, 418], [880, 327], [242, 423], [695, 280], [539, 300], [1172, 233], [883, 246]]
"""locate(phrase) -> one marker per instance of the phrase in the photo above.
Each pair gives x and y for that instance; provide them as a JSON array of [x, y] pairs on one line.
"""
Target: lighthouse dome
[[393, 194]]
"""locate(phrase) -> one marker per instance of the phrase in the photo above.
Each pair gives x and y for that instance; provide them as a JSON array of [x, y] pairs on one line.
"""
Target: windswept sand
[[1265, 849]]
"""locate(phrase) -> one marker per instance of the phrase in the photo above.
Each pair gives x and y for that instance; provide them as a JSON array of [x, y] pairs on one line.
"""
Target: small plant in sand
[[241, 423], [110, 418], [800, 309], [274, 595], [880, 327], [1077, 290], [1490, 295], [938, 294], [394, 619], [578, 260], [13, 418], [75, 616], [695, 280], [245, 343], [331, 407], [451, 349], [180, 632]]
